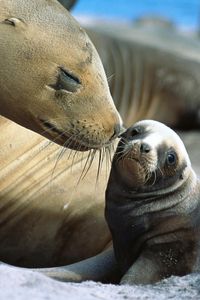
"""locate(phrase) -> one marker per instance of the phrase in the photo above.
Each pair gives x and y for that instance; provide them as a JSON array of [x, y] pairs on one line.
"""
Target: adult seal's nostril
[[118, 131], [145, 148]]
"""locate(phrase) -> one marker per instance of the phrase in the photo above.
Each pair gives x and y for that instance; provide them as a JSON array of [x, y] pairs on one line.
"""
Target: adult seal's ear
[[68, 4]]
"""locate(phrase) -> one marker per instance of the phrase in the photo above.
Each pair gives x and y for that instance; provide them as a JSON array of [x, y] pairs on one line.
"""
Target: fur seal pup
[[52, 80], [152, 205]]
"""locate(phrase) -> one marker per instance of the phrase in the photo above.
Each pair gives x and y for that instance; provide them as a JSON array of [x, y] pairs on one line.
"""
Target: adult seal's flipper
[[102, 267], [68, 4]]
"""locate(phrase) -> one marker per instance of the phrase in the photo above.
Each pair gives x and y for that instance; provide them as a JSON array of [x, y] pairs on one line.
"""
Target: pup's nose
[[145, 148]]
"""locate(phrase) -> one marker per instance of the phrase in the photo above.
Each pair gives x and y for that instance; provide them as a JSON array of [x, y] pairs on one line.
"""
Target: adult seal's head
[[51, 77], [152, 204]]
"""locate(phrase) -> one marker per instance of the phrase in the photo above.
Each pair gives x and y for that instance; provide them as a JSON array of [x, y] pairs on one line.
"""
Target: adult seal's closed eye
[[51, 78], [152, 205]]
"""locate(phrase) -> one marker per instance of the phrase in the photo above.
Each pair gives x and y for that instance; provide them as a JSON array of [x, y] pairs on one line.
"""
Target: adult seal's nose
[[118, 131]]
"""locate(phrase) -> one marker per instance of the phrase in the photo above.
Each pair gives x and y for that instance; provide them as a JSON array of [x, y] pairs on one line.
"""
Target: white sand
[[20, 284]]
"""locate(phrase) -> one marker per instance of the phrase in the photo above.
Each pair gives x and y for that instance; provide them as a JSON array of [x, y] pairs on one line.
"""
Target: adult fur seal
[[152, 205], [59, 91], [51, 81]]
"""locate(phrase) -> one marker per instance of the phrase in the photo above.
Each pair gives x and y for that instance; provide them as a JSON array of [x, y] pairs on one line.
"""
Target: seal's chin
[[131, 171], [67, 139]]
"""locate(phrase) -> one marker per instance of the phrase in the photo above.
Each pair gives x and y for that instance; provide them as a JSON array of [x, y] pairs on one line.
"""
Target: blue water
[[185, 13]]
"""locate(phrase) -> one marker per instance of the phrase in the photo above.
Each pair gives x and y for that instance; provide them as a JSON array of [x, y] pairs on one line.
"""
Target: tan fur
[[46, 220], [153, 72]]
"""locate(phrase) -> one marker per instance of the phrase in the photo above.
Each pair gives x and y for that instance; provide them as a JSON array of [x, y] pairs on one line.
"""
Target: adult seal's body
[[153, 72], [52, 82], [152, 205]]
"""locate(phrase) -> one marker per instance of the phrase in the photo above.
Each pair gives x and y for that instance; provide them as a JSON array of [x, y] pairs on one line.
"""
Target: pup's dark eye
[[131, 132], [66, 81], [171, 159], [135, 131]]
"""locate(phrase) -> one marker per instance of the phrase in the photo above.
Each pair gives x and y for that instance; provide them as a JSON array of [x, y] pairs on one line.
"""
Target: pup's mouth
[[137, 167], [130, 154], [129, 162], [67, 139]]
